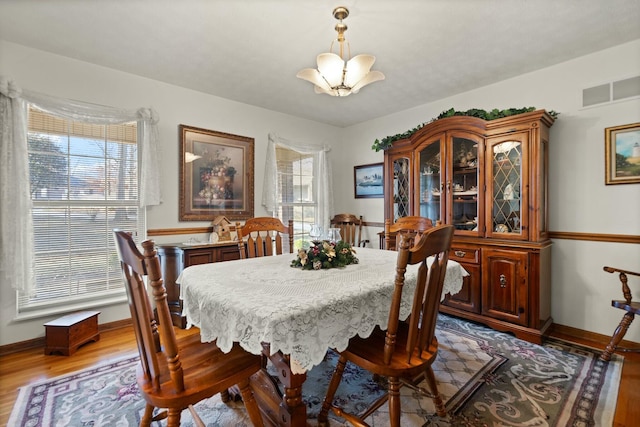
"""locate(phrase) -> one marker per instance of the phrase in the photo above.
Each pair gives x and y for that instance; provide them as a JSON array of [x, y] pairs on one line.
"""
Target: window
[[83, 183], [297, 195]]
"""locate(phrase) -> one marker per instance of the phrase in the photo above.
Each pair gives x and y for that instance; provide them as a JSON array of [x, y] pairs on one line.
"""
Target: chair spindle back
[[413, 225], [434, 243], [350, 228], [262, 236], [134, 267]]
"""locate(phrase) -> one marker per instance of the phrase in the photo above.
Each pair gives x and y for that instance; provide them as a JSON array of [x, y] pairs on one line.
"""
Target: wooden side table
[[65, 334]]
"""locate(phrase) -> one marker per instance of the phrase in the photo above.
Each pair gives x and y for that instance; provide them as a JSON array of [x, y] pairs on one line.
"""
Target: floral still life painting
[[325, 255], [216, 175], [216, 179]]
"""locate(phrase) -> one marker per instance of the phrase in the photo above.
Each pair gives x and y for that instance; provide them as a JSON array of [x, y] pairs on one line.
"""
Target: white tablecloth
[[298, 312]]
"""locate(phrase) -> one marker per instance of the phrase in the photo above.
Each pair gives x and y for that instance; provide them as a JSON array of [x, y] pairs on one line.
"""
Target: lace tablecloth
[[301, 313]]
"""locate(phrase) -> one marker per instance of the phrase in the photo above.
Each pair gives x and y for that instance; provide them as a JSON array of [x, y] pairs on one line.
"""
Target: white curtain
[[98, 114], [323, 182], [16, 228]]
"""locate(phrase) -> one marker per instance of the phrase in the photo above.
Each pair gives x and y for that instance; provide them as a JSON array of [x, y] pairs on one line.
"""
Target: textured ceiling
[[250, 50]]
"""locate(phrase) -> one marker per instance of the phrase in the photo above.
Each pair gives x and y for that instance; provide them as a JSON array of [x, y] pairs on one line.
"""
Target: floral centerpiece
[[325, 255]]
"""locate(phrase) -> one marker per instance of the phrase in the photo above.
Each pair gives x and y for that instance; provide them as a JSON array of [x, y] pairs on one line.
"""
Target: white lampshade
[[330, 67], [312, 75], [357, 69], [371, 77]]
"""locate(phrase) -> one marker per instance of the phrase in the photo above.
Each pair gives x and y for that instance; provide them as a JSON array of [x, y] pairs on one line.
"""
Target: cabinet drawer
[[462, 254], [198, 256]]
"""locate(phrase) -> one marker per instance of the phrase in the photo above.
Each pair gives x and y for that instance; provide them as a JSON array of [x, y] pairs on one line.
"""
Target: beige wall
[[579, 200]]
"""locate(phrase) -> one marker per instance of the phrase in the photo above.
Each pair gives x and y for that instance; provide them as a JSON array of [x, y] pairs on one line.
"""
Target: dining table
[[293, 316]]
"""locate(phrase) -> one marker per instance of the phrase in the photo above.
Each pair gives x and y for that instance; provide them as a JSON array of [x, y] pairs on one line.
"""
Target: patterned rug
[[488, 378]]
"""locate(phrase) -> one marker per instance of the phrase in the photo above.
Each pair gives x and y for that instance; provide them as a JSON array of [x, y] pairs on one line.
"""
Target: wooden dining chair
[[630, 307], [406, 350], [350, 228], [413, 225], [172, 373], [262, 236]]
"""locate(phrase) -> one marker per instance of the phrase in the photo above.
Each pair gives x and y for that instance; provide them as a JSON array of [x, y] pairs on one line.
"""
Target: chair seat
[[632, 307], [368, 353], [207, 371]]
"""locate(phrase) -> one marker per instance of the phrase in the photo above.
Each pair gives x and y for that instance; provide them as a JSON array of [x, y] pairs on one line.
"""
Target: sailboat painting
[[368, 180]]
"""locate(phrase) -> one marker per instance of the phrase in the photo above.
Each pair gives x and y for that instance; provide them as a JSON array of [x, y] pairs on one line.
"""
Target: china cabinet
[[175, 257], [489, 180]]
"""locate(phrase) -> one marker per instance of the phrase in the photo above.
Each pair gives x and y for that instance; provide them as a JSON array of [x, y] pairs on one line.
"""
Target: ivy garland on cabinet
[[388, 141]]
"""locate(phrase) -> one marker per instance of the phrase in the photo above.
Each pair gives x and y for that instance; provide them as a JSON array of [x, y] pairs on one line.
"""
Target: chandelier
[[335, 76]]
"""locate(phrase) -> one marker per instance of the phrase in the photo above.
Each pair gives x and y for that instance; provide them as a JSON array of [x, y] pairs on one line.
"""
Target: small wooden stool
[[67, 333]]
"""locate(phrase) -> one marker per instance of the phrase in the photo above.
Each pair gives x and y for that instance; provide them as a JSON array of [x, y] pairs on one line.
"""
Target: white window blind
[[297, 195], [84, 183]]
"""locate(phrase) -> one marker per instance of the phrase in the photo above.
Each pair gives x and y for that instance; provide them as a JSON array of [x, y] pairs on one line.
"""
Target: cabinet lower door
[[468, 299], [505, 285]]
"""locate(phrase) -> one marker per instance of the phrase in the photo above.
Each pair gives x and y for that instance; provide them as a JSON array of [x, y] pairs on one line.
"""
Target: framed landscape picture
[[216, 175], [622, 154], [368, 180]]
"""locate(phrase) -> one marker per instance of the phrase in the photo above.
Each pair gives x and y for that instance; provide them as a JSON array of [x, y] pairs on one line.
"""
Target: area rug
[[488, 378]]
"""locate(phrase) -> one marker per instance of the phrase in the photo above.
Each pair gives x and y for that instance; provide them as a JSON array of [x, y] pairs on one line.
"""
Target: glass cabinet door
[[463, 186], [431, 182], [506, 188], [401, 188]]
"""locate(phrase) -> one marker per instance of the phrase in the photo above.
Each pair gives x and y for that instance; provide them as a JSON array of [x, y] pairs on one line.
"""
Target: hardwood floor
[[21, 368]]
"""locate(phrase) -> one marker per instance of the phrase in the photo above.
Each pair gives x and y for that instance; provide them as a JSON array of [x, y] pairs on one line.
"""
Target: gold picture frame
[[216, 175], [622, 154]]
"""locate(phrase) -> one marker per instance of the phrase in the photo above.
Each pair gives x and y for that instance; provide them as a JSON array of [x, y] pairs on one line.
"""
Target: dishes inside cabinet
[[502, 228]]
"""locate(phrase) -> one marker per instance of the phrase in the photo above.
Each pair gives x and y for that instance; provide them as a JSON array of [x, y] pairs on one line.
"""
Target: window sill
[[69, 308]]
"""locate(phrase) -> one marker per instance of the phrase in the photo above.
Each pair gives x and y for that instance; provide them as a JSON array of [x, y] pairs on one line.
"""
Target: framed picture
[[216, 175], [622, 154], [368, 180]]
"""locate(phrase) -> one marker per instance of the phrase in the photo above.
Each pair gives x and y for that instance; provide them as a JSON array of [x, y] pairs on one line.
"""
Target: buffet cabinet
[[489, 180], [176, 257]]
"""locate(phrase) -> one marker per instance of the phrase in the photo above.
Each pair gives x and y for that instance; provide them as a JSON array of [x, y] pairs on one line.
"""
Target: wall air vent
[[626, 88], [596, 95], [613, 91]]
